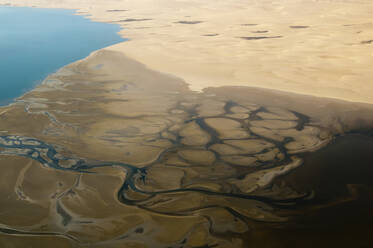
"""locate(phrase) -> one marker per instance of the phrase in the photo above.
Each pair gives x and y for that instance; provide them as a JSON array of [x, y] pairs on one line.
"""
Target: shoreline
[[69, 51]]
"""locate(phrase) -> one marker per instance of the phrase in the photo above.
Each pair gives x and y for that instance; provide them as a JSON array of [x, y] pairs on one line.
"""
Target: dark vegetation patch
[[116, 10], [299, 26], [367, 42], [210, 34], [260, 37], [188, 22], [260, 31], [249, 24], [135, 20]]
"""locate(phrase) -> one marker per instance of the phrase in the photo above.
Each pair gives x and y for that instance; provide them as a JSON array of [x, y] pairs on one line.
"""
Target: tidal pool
[[36, 42]]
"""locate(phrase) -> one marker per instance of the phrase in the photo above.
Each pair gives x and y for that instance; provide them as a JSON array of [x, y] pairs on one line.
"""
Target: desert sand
[[321, 48]]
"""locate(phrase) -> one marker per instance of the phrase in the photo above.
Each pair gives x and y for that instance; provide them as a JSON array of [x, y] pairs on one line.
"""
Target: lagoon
[[36, 42]]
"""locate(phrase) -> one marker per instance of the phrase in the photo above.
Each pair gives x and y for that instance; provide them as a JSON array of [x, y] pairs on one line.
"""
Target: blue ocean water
[[36, 42]]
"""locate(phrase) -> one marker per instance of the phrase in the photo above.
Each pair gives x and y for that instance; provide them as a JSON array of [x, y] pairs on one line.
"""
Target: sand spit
[[320, 48], [130, 157]]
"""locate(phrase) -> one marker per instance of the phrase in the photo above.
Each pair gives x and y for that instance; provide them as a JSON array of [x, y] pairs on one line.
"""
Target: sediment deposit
[[107, 153]]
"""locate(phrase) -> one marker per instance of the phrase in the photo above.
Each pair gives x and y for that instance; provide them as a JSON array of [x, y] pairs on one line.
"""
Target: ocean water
[[37, 42]]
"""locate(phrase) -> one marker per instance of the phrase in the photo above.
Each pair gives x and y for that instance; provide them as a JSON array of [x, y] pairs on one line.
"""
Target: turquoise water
[[36, 42]]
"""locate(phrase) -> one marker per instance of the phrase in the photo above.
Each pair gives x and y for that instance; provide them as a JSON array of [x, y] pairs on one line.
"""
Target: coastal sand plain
[[321, 48], [108, 153], [178, 151]]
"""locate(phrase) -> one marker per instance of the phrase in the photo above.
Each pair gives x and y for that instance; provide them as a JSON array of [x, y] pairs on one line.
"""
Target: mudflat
[[108, 153]]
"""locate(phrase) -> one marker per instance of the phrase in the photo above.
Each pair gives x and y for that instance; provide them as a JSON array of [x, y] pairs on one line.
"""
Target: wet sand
[[108, 153]]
